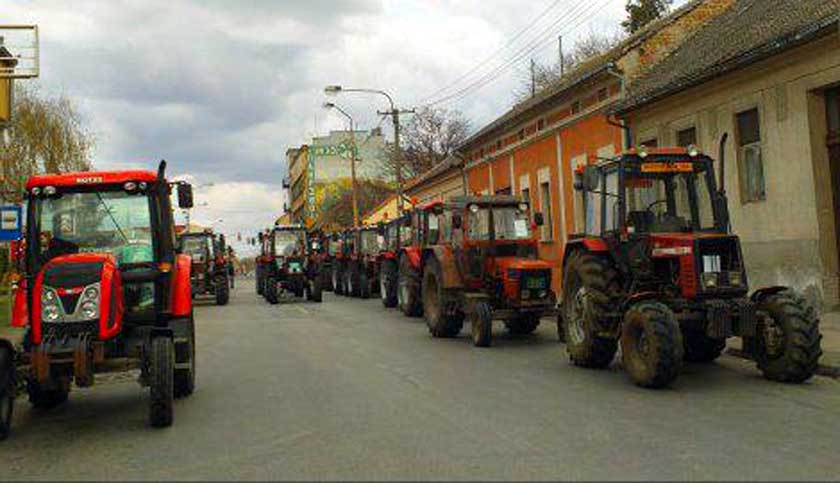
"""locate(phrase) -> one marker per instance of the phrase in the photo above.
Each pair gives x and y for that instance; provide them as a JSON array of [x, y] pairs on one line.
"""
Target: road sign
[[11, 223]]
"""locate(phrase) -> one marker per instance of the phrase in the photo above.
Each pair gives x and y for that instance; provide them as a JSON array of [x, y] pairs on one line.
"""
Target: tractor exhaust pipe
[[722, 160]]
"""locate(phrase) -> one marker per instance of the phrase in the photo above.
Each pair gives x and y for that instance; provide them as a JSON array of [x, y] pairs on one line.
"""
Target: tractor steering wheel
[[657, 202]]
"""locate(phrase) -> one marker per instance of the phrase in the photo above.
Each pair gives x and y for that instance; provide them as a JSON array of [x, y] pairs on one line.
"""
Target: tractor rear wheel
[[408, 291], [787, 348], [271, 295], [523, 324], [699, 347], [651, 345], [184, 383], [7, 391], [590, 291], [41, 398], [441, 314], [259, 284], [222, 292], [364, 282], [388, 283], [481, 321], [316, 289], [161, 381], [337, 279]]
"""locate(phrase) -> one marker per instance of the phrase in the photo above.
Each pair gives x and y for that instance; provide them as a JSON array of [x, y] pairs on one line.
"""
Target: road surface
[[349, 390]]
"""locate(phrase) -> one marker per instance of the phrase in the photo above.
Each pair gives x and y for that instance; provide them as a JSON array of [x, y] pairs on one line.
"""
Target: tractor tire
[[561, 330], [326, 279], [523, 324], [184, 382], [259, 284], [388, 283], [481, 321], [590, 290], [41, 398], [441, 314], [787, 348], [337, 279], [651, 345], [364, 283], [7, 391], [271, 295], [161, 382], [222, 293], [700, 348], [408, 290], [316, 290]]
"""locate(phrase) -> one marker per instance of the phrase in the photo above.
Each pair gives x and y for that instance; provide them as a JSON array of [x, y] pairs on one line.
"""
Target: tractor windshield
[[667, 200], [370, 242], [499, 223], [289, 242], [115, 222], [198, 247]]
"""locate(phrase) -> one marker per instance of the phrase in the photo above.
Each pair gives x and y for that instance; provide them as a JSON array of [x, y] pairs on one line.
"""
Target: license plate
[[537, 283]]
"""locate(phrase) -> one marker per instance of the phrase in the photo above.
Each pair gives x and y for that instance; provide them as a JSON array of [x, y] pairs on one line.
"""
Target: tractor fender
[[639, 297], [444, 257], [181, 301], [414, 257], [759, 295], [20, 311], [593, 245]]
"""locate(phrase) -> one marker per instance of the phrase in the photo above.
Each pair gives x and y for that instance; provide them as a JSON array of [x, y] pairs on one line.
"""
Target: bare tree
[[428, 138], [46, 135], [586, 48]]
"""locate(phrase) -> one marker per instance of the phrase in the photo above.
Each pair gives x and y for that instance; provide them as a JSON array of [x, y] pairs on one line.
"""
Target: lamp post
[[330, 105], [395, 118]]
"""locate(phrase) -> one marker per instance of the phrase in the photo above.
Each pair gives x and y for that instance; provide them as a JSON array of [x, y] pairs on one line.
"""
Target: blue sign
[[11, 223]]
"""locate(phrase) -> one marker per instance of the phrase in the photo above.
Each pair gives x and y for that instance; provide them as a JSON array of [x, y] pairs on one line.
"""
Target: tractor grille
[[534, 284], [69, 302], [63, 330]]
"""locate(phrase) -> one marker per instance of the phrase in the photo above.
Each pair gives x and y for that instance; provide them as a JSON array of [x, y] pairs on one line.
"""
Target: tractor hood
[[517, 263]]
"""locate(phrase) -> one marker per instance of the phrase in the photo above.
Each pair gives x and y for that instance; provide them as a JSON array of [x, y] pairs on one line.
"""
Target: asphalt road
[[348, 390]]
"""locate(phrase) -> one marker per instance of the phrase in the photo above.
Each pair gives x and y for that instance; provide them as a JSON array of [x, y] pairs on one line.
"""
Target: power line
[[582, 15]]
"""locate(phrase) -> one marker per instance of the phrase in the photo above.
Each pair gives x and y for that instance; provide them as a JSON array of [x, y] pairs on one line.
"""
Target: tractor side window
[[611, 200], [433, 233], [479, 225], [446, 227], [592, 205]]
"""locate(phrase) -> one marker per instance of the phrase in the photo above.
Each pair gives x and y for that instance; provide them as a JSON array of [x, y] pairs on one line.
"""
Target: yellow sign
[[667, 167], [5, 100]]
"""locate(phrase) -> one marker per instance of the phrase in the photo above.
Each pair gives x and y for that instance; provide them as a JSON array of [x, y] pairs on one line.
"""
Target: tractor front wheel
[[270, 289], [388, 284], [441, 318], [481, 321], [699, 347], [651, 345], [590, 292], [316, 290], [523, 324], [364, 283], [787, 348], [337, 279], [408, 291], [184, 382], [7, 391], [222, 292], [161, 381]]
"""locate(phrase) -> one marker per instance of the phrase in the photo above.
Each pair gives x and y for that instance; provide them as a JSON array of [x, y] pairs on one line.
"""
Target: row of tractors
[[103, 286], [656, 272]]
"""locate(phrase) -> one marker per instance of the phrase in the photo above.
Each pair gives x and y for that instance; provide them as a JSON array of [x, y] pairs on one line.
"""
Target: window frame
[[746, 196]]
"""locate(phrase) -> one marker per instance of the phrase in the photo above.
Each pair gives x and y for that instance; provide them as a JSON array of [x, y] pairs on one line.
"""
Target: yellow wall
[[5, 100], [384, 212]]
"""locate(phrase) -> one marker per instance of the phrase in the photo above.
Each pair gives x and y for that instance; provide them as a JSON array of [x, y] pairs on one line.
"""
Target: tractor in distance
[[361, 250], [289, 268], [658, 273], [479, 261], [320, 256], [103, 290], [337, 254], [393, 233], [261, 261], [210, 265]]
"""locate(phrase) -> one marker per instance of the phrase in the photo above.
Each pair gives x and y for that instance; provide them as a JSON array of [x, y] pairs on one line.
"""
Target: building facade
[[776, 92], [297, 159]]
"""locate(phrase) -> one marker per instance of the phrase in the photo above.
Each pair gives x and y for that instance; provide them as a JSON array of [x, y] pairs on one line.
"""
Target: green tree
[[642, 12]]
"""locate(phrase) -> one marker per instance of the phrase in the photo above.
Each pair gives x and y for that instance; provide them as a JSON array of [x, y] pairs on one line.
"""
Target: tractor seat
[[641, 220]]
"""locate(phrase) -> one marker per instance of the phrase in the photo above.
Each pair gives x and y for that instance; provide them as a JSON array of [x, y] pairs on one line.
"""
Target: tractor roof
[[91, 178], [495, 200], [289, 228]]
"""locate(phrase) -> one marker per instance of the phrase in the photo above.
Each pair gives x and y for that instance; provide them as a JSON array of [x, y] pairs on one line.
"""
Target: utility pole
[[533, 78], [562, 59]]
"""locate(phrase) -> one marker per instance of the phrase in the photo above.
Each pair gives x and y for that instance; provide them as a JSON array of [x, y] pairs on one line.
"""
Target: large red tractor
[[210, 264], [659, 274], [478, 259], [103, 290]]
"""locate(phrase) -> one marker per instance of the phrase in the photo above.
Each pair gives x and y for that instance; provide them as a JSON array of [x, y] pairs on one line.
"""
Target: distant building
[[297, 160], [330, 155]]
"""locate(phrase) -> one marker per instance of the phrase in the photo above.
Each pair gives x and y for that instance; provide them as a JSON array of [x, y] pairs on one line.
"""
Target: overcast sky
[[221, 88]]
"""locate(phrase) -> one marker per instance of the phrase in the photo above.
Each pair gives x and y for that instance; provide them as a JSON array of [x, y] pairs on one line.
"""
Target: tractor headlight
[[90, 310], [91, 293], [543, 294], [526, 294], [51, 313], [735, 279], [48, 297], [710, 280]]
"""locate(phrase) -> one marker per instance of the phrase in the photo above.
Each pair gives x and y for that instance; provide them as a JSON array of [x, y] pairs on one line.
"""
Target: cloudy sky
[[221, 88]]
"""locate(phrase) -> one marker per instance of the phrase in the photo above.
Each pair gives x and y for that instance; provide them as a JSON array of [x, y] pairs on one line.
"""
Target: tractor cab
[[289, 269]]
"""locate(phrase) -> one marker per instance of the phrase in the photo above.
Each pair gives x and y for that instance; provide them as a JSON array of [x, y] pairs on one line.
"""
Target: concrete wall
[[440, 188], [788, 238]]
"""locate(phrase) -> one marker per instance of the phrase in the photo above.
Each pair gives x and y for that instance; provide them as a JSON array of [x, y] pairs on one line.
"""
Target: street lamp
[[330, 105], [395, 118]]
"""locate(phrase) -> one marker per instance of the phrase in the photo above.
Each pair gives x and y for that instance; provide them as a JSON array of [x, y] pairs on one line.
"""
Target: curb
[[822, 369]]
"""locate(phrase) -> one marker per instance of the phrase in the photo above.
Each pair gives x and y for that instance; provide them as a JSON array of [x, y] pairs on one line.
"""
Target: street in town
[[347, 390]]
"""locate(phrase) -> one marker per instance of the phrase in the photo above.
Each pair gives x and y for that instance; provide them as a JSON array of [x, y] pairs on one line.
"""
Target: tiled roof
[[750, 31]]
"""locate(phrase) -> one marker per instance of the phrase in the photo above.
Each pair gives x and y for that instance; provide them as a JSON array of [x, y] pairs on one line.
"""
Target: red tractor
[[393, 234], [290, 267], [359, 267], [659, 274], [478, 259], [210, 265], [103, 290]]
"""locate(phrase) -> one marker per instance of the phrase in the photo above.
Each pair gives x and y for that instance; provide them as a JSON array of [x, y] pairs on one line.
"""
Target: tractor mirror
[[457, 221], [591, 178], [539, 219], [185, 195]]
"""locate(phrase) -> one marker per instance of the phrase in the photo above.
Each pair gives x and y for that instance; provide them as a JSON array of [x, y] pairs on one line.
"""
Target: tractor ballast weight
[[103, 290], [658, 273]]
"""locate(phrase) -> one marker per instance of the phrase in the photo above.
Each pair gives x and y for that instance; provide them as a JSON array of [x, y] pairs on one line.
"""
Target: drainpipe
[[614, 71], [463, 161]]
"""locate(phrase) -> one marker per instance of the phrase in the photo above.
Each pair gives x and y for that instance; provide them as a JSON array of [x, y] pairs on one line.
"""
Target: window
[[499, 144], [575, 107], [541, 124], [750, 164], [521, 134], [602, 94], [545, 200], [526, 195], [687, 137]]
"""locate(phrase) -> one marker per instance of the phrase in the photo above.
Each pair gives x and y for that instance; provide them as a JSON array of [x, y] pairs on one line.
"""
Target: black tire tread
[[669, 354], [161, 384], [800, 359]]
